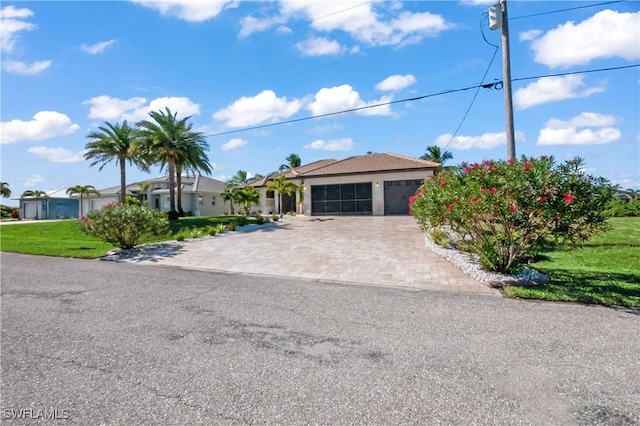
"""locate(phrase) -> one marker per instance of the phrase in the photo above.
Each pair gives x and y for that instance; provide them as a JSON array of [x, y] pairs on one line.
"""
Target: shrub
[[439, 236], [180, 237], [231, 226], [509, 210], [241, 221], [261, 220], [275, 217], [124, 225], [15, 214], [621, 208]]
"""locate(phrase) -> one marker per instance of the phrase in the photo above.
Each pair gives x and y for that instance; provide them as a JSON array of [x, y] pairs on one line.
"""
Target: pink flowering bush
[[505, 211], [124, 225]]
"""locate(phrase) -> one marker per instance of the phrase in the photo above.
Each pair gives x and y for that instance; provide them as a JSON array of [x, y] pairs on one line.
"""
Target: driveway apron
[[385, 251]]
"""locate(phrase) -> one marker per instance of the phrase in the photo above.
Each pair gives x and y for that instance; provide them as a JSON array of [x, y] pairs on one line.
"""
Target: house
[[373, 184], [200, 195], [56, 204]]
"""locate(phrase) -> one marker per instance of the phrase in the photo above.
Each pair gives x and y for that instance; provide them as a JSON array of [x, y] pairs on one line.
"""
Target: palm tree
[[247, 196], [82, 190], [192, 158], [301, 190], [116, 142], [293, 161], [37, 194], [167, 140], [281, 185], [5, 190], [435, 154], [634, 193], [229, 194], [240, 178]]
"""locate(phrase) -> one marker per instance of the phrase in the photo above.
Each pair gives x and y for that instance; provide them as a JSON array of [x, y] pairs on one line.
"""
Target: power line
[[576, 72], [566, 10], [494, 85], [331, 14], [475, 95]]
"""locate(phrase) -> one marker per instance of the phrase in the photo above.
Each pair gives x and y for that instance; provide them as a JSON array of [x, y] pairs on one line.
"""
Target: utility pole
[[498, 19]]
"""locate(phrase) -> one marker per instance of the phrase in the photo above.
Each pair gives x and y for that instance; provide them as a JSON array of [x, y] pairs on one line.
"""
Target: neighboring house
[[55, 205], [371, 184], [200, 195]]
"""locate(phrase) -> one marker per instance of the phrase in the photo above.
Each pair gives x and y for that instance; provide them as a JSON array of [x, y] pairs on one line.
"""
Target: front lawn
[[606, 270], [66, 239]]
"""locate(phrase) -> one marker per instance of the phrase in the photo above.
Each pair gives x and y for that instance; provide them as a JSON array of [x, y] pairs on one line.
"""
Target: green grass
[[605, 270], [66, 239]]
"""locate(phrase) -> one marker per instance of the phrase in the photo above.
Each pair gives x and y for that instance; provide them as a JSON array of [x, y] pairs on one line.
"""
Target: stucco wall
[[377, 180]]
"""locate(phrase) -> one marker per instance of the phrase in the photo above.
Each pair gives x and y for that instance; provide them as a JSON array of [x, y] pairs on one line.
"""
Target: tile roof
[[293, 173], [371, 163]]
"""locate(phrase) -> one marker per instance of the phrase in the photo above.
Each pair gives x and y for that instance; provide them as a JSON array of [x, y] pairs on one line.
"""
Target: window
[[270, 194]]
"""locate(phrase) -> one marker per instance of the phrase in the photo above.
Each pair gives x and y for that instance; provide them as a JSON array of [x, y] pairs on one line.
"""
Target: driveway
[[385, 251]]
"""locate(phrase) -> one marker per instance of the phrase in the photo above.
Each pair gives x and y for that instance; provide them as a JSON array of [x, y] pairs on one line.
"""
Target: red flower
[[468, 170], [442, 181], [433, 177], [543, 199], [475, 200], [527, 165], [510, 161], [410, 211], [490, 167], [513, 208], [481, 175], [493, 191], [484, 190], [449, 207], [568, 197]]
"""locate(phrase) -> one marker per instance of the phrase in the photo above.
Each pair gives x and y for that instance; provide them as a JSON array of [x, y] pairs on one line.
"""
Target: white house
[[371, 184], [200, 195]]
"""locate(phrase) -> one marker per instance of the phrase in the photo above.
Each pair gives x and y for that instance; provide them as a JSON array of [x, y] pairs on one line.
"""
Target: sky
[[259, 78]]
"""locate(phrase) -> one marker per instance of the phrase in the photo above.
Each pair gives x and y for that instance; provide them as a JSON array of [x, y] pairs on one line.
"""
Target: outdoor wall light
[[377, 184]]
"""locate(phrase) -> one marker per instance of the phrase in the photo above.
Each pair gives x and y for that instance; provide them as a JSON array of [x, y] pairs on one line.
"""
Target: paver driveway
[[386, 251]]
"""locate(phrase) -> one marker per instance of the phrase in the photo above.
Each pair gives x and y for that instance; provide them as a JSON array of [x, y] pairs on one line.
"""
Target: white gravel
[[469, 264]]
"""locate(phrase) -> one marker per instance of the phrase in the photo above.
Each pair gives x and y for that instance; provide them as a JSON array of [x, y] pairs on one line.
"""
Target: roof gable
[[371, 163]]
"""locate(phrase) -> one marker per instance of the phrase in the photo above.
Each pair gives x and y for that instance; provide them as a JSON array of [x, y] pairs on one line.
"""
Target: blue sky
[[69, 66]]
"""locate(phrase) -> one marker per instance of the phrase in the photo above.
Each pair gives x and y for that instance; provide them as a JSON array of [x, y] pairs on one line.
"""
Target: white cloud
[[57, 155], [577, 130], [484, 141], [33, 180], [372, 23], [529, 35], [94, 49], [340, 98], [550, 89], [318, 46], [11, 23], [396, 82], [18, 67], [45, 125], [188, 10], [233, 144], [250, 24], [344, 144], [606, 34], [249, 111], [135, 109], [478, 2]]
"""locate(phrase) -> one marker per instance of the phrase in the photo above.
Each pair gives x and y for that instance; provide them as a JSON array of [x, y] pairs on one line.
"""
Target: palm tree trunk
[[173, 214], [123, 179], [280, 204], [179, 188], [232, 211]]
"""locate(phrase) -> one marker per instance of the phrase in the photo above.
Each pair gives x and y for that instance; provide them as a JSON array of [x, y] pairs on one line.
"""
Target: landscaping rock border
[[470, 265]]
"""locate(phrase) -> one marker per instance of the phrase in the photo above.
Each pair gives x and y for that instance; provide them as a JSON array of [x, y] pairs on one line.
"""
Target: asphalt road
[[116, 343]]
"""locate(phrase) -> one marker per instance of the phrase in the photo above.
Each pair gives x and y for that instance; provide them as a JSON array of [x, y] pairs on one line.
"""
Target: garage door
[[346, 198], [396, 195]]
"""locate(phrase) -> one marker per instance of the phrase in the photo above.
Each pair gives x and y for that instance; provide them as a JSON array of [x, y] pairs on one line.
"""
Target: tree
[[247, 196], [301, 190], [229, 194], [240, 178], [37, 194], [293, 161], [281, 185], [192, 158], [5, 190], [116, 142], [435, 154], [82, 190], [168, 140]]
